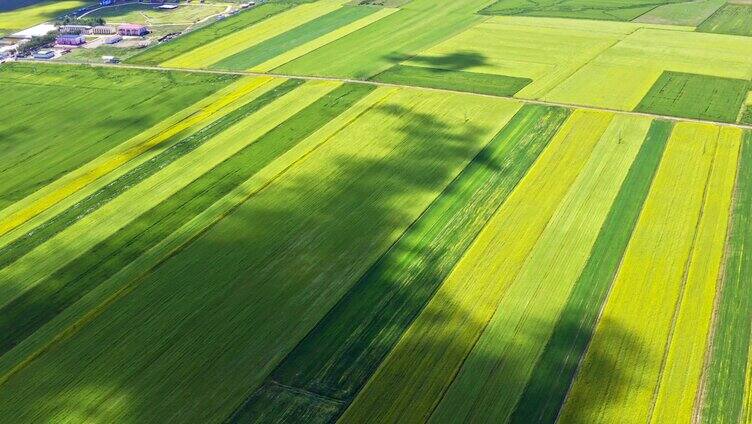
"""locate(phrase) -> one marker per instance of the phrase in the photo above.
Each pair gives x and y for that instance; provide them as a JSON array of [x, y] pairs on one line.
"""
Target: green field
[[733, 19], [382, 211], [63, 98], [471, 82], [149, 15], [619, 10], [695, 96], [18, 15], [162, 52]]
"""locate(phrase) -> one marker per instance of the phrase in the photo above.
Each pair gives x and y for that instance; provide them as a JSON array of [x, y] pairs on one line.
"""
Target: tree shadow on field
[[456, 61], [193, 338], [209, 323]]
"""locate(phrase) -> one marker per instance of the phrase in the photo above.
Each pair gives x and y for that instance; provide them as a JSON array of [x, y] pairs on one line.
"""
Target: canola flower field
[[408, 212]]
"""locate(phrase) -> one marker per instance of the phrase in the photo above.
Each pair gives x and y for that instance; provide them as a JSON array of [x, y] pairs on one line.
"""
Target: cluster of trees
[[71, 20], [37, 43]]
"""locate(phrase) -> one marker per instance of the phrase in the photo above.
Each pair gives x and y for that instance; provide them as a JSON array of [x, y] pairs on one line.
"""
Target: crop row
[[345, 348]]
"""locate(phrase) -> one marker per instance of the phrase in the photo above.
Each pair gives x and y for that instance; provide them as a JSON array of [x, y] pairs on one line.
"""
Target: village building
[[70, 40], [75, 29], [132, 29], [103, 30]]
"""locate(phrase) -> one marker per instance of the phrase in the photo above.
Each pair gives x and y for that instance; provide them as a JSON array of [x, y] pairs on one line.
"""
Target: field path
[[361, 81]]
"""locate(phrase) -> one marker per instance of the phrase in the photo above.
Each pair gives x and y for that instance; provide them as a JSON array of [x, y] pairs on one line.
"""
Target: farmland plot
[[245, 281], [105, 220], [695, 96], [472, 82], [13, 19], [411, 379], [691, 13], [337, 357], [57, 196], [195, 39], [619, 10], [307, 32], [620, 77], [52, 104], [724, 391], [238, 41], [733, 19], [377, 47], [545, 50], [547, 387], [107, 257], [506, 352], [624, 367]]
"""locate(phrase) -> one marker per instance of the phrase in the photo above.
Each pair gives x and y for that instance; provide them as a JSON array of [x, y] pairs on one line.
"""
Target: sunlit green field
[[399, 211]]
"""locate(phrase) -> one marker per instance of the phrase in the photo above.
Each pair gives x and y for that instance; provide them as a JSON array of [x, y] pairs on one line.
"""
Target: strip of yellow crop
[[681, 374], [217, 50], [322, 41], [410, 381], [67, 186], [619, 374], [97, 226], [747, 413], [94, 302], [524, 319]]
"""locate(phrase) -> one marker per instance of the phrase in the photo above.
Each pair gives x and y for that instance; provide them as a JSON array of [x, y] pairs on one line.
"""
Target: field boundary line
[[383, 84]]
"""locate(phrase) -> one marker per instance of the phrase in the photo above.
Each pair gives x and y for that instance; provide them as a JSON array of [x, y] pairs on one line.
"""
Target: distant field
[[471, 82], [73, 94], [150, 15], [195, 39], [734, 19], [695, 96], [33, 13], [620, 10]]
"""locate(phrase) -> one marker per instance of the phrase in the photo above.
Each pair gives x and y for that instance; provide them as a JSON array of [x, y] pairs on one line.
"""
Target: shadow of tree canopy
[[203, 329], [456, 61]]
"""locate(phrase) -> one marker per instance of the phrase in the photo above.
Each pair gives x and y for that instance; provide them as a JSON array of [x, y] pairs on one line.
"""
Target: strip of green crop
[[553, 374], [411, 380], [54, 130], [343, 351], [724, 385], [37, 306], [211, 322], [96, 301], [45, 231], [377, 47], [506, 353], [473, 82], [620, 372], [185, 43], [297, 36]]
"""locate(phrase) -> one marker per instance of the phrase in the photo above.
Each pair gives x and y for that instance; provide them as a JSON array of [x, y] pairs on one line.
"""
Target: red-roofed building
[[132, 29]]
